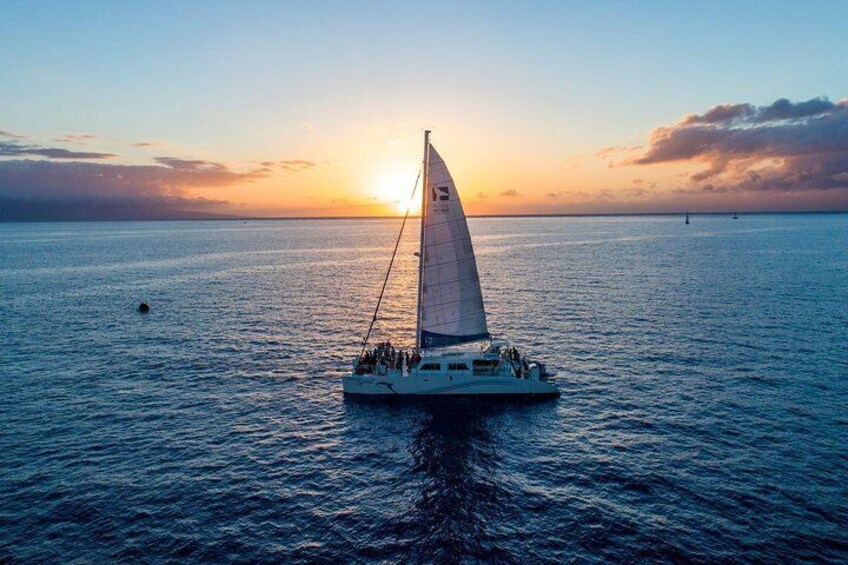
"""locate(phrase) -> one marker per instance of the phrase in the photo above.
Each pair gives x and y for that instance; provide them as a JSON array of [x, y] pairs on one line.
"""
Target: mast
[[425, 188]]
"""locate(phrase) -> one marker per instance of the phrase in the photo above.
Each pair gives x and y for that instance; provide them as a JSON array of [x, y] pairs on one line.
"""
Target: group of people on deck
[[387, 356], [513, 354], [519, 364]]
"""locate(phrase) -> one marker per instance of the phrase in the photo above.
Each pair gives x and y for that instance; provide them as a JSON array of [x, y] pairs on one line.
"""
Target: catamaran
[[454, 352]]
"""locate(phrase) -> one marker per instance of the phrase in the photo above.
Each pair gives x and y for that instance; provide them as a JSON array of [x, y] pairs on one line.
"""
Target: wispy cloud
[[143, 144], [786, 146], [15, 149], [192, 165], [294, 166], [615, 150], [511, 193], [75, 138], [10, 135]]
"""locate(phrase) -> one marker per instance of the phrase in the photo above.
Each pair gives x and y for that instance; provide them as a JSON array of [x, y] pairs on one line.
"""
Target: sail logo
[[442, 194]]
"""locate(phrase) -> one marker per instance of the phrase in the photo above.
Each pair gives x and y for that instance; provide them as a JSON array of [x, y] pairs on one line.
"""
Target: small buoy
[[143, 307]]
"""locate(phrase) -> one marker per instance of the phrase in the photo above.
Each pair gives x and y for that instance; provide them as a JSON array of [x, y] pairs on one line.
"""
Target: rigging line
[[389, 271]]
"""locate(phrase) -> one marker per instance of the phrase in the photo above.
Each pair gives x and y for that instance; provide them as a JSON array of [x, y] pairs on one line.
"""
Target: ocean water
[[703, 417]]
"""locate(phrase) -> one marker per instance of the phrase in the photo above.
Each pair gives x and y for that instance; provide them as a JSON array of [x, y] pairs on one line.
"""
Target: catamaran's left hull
[[446, 385]]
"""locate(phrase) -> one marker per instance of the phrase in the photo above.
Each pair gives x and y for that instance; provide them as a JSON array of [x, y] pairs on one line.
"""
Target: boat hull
[[389, 385]]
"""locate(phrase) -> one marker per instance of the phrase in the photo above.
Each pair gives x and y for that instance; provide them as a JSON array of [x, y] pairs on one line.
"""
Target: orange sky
[[494, 176]]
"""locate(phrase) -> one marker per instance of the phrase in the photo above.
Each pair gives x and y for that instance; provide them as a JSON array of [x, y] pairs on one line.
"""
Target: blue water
[[704, 415]]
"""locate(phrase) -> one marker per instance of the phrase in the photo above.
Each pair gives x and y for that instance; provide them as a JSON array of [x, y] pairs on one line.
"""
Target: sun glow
[[392, 188]]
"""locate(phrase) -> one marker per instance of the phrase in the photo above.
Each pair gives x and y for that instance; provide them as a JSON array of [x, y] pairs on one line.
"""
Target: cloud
[[783, 109], [511, 193], [606, 152], [193, 165], [613, 153], [11, 135], [45, 182], [480, 195], [93, 188], [14, 149], [786, 146], [295, 165], [75, 138], [719, 114]]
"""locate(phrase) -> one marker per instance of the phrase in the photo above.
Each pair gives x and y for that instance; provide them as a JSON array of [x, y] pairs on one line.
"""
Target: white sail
[[452, 308]]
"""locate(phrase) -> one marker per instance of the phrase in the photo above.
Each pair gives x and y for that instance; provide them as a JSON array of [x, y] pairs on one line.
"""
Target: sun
[[392, 188]]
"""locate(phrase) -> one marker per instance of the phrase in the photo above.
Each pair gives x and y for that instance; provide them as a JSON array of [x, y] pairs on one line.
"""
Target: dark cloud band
[[13, 149]]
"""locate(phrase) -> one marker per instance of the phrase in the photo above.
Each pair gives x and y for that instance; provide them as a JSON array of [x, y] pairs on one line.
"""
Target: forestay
[[451, 301]]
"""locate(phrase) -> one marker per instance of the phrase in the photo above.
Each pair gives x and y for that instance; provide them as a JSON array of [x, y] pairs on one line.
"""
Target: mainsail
[[451, 303]]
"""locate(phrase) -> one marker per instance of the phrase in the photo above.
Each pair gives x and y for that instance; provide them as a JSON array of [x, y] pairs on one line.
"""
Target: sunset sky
[[318, 108]]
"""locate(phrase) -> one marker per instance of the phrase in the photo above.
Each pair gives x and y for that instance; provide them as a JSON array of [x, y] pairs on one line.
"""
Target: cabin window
[[485, 366], [431, 367], [457, 367]]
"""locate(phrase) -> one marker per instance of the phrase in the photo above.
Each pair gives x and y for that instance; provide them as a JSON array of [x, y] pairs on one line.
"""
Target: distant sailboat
[[735, 217], [687, 218], [454, 352]]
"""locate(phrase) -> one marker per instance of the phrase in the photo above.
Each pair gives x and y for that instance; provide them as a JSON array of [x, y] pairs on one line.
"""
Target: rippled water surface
[[704, 414]]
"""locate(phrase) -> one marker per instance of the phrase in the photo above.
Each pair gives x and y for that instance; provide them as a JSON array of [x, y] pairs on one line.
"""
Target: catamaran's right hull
[[454, 385]]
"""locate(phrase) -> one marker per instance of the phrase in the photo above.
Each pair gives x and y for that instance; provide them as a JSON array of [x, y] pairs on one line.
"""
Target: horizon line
[[399, 217]]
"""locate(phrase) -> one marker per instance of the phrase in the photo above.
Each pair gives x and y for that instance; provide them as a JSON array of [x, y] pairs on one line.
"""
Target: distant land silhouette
[[30, 211]]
